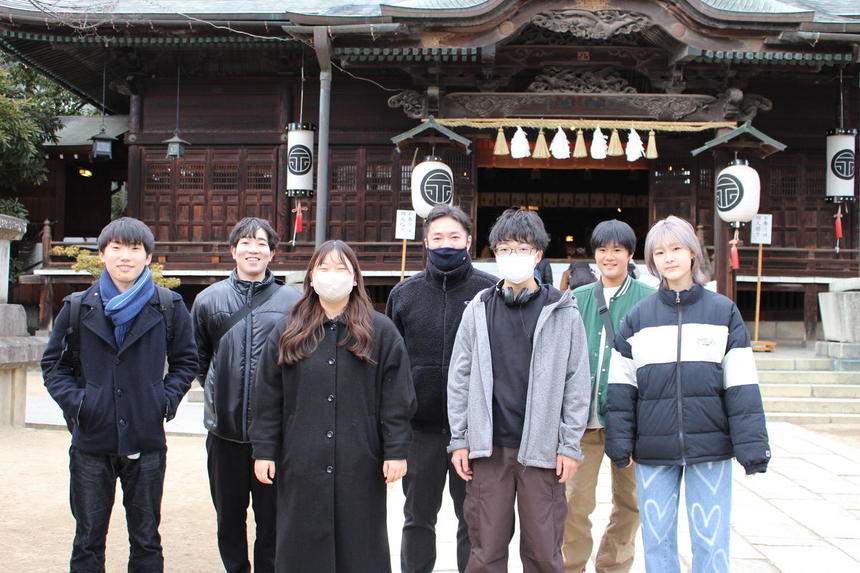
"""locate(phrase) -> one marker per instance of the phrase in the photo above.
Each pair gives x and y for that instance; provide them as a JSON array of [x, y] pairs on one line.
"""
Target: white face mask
[[332, 286], [516, 269]]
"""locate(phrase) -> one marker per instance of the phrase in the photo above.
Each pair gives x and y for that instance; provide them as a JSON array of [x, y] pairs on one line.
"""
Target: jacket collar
[[242, 286], [451, 277], [102, 327], [622, 290], [687, 297]]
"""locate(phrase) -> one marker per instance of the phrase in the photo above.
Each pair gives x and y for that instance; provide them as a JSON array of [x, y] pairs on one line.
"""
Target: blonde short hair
[[669, 231]]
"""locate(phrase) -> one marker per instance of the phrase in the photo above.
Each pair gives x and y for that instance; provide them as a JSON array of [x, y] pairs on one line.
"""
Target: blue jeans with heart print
[[708, 495]]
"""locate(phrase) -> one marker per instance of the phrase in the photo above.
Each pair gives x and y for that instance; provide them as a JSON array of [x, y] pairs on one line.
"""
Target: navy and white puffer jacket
[[683, 387]]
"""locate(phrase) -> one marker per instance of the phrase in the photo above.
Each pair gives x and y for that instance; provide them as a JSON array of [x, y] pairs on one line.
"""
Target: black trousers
[[428, 465], [232, 483], [91, 494]]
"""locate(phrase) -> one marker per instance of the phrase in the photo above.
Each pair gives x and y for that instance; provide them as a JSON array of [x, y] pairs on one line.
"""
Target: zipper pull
[[677, 297]]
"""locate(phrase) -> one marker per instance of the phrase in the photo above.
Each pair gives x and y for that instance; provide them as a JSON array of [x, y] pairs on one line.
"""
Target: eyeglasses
[[505, 251]]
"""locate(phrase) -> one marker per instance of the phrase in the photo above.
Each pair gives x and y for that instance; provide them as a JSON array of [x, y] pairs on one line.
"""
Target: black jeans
[[91, 493], [428, 465], [232, 483]]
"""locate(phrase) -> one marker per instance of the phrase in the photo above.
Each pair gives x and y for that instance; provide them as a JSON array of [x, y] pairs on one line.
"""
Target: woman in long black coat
[[331, 421]]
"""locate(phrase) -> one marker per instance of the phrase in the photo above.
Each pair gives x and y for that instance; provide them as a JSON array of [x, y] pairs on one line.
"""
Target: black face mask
[[447, 258]]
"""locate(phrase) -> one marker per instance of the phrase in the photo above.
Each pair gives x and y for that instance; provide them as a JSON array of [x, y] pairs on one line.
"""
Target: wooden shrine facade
[[230, 85]]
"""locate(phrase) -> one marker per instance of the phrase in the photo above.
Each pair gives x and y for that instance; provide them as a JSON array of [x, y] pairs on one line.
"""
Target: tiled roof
[[78, 130], [775, 58], [272, 10]]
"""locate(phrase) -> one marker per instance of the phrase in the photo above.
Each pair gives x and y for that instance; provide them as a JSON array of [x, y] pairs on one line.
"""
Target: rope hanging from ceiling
[[536, 123]]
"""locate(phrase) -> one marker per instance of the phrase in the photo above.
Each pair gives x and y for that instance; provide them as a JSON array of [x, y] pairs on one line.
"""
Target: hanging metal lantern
[[738, 192], [300, 160], [432, 184], [841, 165], [102, 145], [175, 146]]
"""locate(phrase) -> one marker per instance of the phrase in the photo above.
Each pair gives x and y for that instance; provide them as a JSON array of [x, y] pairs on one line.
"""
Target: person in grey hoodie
[[518, 397]]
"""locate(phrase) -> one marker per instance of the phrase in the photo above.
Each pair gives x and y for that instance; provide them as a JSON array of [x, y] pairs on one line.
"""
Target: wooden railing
[[216, 255]]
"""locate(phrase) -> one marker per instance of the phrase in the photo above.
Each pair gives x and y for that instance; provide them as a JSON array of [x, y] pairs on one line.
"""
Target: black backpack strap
[[73, 332], [165, 305], [71, 338], [603, 311], [234, 319]]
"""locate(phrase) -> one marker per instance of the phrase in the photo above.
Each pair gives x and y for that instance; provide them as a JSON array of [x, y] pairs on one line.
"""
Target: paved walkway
[[803, 515]]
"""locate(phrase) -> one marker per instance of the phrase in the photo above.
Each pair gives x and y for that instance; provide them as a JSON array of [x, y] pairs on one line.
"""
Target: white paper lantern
[[432, 184], [300, 160], [738, 192], [841, 164]]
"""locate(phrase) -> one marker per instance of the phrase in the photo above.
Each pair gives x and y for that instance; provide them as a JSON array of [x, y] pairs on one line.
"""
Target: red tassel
[[838, 222], [736, 263], [299, 221]]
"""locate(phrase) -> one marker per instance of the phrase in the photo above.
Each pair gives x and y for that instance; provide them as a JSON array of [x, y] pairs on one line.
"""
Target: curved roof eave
[[772, 11]]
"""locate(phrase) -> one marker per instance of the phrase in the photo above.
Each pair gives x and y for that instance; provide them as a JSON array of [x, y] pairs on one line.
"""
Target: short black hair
[[247, 229], [521, 225], [127, 231], [613, 232], [446, 210]]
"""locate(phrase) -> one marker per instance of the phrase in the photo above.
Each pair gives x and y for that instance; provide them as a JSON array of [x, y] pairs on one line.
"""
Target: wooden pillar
[[134, 202], [46, 304], [723, 273], [46, 243]]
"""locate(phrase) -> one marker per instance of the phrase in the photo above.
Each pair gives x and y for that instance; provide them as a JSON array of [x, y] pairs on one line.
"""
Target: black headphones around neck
[[518, 299]]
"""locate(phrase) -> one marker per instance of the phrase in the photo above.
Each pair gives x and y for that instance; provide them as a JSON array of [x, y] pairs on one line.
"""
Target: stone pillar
[[11, 229], [840, 319], [18, 350]]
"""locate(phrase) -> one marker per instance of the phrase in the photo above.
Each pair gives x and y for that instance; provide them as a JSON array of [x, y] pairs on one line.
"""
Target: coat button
[[329, 434], [119, 391], [330, 398], [122, 422], [329, 469], [331, 361]]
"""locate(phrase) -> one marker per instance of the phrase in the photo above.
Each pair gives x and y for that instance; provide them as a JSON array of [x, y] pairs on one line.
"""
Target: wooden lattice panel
[[201, 196]]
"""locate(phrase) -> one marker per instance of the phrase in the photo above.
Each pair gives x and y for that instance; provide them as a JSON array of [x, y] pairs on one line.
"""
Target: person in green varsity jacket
[[613, 243]]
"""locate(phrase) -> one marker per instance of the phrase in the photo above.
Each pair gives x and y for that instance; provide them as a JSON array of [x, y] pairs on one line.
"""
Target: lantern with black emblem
[[300, 160], [432, 184], [737, 196], [841, 172]]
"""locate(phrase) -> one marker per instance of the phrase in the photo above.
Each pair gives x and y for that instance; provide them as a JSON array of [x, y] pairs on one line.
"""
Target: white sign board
[[760, 229], [405, 228]]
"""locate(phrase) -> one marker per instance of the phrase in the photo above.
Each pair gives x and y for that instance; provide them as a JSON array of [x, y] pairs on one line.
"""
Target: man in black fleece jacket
[[427, 309]]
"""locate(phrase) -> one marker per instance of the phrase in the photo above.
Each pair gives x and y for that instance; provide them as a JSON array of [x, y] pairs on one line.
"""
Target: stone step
[[810, 390], [812, 405], [763, 362], [809, 418], [195, 394], [807, 377]]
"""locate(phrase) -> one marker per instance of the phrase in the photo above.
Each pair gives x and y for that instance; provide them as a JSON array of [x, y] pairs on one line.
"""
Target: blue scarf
[[122, 308]]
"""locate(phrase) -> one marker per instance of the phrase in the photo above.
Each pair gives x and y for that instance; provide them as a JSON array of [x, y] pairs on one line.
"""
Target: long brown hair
[[305, 329]]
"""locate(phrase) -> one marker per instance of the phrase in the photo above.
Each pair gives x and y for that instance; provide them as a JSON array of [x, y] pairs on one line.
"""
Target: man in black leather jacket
[[426, 308], [232, 319]]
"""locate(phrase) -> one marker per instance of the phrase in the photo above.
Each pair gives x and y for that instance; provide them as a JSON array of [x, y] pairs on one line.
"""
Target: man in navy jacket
[[117, 394]]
